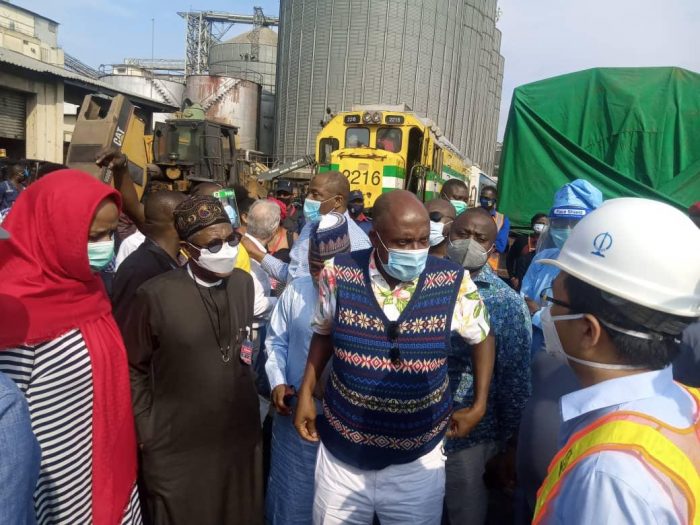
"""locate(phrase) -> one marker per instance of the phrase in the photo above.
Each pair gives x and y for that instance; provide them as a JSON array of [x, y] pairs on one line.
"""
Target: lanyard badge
[[247, 348]]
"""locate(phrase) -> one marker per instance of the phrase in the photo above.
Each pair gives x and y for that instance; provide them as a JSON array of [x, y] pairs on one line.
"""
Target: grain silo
[[230, 100], [252, 56], [440, 57], [167, 89]]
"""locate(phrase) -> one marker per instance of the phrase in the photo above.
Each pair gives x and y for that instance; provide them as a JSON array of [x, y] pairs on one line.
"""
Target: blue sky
[[541, 38], [107, 31]]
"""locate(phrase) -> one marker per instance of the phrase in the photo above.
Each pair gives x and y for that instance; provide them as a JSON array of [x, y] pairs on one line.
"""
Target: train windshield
[[327, 147], [389, 139], [357, 138]]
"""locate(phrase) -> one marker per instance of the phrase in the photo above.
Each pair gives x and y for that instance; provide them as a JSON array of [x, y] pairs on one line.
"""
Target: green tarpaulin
[[628, 131]]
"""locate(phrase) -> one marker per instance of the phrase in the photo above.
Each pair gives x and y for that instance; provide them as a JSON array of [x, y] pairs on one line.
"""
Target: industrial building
[[439, 57], [252, 56], [36, 86]]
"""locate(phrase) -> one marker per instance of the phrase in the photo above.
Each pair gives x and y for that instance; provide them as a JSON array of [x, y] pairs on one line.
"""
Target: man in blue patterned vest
[[386, 316]]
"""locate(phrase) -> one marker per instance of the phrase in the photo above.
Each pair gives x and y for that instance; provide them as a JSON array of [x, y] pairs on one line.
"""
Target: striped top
[[56, 378]]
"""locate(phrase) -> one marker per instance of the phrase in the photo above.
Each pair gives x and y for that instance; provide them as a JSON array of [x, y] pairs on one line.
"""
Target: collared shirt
[[19, 468], [510, 324], [363, 222], [263, 302], [300, 253], [289, 333], [611, 486], [128, 246], [469, 319]]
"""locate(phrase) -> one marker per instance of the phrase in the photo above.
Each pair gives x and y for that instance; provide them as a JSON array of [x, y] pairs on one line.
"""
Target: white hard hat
[[638, 249]]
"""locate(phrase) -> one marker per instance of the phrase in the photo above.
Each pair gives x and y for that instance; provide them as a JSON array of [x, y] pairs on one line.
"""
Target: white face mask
[[436, 235], [221, 262], [554, 347], [539, 227]]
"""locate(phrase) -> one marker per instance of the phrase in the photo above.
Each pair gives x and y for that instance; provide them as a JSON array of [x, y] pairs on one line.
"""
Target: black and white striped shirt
[[56, 378]]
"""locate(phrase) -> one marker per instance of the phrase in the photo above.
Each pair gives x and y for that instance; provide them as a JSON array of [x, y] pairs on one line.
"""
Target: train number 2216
[[360, 177]]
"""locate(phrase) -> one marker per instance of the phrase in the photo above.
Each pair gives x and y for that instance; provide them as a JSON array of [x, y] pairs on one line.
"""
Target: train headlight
[[377, 118], [367, 118]]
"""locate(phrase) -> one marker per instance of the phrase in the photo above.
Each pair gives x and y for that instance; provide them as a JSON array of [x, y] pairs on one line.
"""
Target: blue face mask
[[559, 236], [486, 203], [312, 209], [100, 254], [404, 265]]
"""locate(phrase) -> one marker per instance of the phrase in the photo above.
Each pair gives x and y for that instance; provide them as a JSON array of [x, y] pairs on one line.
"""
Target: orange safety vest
[[495, 257], [673, 453]]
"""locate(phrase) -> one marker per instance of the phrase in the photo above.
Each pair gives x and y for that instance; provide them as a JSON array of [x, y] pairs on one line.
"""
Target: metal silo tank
[[424, 53], [233, 101], [168, 90], [238, 57]]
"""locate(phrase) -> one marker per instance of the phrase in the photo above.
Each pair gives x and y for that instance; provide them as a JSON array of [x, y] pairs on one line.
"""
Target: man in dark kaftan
[[193, 388]]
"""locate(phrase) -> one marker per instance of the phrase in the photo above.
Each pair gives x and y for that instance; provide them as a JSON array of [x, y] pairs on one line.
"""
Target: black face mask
[[355, 209]]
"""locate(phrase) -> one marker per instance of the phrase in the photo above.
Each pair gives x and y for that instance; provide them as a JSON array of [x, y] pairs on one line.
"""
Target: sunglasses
[[215, 246], [394, 330], [436, 216]]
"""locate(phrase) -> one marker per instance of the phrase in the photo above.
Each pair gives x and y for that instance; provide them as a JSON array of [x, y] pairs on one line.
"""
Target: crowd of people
[[213, 358]]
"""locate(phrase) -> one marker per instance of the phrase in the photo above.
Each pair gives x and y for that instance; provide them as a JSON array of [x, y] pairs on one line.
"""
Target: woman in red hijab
[[60, 344]]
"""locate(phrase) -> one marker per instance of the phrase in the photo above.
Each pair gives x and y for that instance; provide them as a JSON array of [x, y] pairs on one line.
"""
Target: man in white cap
[[630, 447]]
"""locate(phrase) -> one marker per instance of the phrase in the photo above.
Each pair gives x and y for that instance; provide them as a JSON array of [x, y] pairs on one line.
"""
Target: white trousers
[[411, 493]]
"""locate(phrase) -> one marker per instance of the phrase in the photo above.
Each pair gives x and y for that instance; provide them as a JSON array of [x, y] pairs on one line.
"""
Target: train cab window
[[326, 147], [389, 139], [357, 138]]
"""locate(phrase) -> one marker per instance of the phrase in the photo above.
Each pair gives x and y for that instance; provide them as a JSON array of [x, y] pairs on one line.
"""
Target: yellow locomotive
[[382, 148]]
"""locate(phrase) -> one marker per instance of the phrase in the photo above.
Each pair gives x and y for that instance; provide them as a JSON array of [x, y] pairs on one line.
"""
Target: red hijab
[[47, 288]]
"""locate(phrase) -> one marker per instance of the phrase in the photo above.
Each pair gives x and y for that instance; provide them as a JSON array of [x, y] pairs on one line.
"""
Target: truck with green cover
[[631, 132]]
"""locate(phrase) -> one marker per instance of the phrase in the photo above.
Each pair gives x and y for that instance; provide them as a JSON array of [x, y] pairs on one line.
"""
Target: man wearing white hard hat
[[630, 436]]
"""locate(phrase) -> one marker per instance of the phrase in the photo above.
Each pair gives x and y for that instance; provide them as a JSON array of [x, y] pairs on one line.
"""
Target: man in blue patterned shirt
[[472, 239]]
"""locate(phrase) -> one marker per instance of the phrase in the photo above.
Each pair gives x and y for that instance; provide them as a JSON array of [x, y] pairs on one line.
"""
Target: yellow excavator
[[185, 149]]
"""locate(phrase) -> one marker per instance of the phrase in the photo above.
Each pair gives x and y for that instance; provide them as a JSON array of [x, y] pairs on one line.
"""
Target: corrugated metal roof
[[14, 58]]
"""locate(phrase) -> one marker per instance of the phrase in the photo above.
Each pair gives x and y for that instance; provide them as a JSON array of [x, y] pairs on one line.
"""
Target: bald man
[[157, 254], [386, 315], [442, 214], [328, 192]]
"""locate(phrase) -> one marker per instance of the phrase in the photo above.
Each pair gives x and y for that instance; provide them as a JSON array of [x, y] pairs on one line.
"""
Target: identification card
[[247, 352]]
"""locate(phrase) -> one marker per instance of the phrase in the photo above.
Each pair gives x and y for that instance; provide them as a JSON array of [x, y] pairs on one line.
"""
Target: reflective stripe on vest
[[673, 452]]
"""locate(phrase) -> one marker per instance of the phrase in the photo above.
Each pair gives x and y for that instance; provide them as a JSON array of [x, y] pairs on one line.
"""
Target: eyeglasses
[[215, 246], [437, 216], [394, 330], [548, 300]]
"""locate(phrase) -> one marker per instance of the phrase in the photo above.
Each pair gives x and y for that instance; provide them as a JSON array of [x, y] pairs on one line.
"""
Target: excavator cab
[[191, 147]]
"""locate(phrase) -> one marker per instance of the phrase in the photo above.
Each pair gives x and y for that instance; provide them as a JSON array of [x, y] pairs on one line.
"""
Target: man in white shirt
[[128, 246], [263, 222]]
